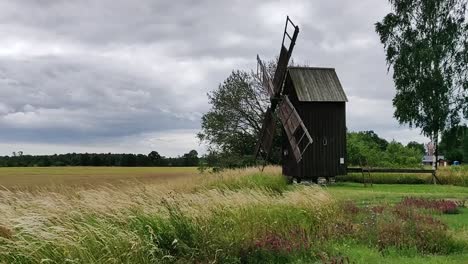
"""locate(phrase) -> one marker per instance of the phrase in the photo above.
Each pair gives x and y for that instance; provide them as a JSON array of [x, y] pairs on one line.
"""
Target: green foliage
[[465, 148], [417, 146], [426, 44], [361, 150], [367, 149], [232, 126], [454, 143], [236, 114]]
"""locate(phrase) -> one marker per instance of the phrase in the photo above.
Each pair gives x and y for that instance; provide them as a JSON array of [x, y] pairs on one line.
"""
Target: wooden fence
[[366, 172]]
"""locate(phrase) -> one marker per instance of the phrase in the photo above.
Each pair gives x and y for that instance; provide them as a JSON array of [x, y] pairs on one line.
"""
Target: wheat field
[[110, 223]]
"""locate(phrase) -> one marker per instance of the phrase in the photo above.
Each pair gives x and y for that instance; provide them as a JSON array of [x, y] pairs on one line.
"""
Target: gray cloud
[[120, 75]]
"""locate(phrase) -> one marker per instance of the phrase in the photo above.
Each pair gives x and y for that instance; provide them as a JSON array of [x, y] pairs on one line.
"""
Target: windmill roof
[[314, 84]]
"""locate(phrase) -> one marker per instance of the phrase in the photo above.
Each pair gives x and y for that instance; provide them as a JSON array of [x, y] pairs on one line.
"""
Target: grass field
[[24, 177], [175, 215]]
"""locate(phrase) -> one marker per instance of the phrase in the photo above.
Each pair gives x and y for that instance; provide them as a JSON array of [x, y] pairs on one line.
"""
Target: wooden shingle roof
[[317, 84]]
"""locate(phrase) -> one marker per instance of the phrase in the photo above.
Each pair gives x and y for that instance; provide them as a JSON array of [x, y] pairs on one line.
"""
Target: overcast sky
[[132, 76]]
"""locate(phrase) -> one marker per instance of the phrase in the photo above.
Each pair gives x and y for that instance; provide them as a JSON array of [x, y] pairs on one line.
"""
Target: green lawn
[[391, 193]]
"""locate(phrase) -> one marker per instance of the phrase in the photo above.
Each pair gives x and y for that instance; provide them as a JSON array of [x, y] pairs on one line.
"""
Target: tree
[[361, 151], [191, 158], [96, 160], [426, 44], [364, 150], [84, 159], [417, 146], [453, 142], [465, 149], [373, 137], [155, 158], [233, 123]]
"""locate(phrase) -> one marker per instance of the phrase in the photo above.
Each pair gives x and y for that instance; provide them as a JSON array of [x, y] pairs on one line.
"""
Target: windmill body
[[310, 103], [318, 97]]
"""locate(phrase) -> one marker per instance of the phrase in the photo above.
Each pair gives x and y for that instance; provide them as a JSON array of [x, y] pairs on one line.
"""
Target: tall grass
[[223, 218], [456, 175]]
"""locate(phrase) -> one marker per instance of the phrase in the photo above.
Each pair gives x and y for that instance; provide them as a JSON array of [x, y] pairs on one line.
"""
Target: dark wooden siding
[[326, 123]]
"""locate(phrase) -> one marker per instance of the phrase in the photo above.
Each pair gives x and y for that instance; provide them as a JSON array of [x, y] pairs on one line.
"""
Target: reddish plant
[[350, 208], [378, 209], [441, 206], [296, 240]]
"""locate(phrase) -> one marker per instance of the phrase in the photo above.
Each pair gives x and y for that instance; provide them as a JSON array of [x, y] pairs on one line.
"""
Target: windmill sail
[[298, 135], [285, 55], [267, 135], [264, 77]]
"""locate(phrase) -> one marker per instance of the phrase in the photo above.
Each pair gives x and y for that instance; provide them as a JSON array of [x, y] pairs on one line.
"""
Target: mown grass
[[238, 216], [391, 193]]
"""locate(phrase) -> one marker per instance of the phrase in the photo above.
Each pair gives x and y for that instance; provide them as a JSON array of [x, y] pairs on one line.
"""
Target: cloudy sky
[[132, 76]]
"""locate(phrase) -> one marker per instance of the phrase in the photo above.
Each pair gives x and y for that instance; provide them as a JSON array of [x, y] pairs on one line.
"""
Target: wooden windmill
[[310, 103]]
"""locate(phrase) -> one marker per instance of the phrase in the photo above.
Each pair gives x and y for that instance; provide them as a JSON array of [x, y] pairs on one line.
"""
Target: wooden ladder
[[366, 172]]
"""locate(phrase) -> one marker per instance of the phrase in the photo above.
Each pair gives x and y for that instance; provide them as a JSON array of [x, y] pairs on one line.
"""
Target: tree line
[[364, 148], [18, 159]]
